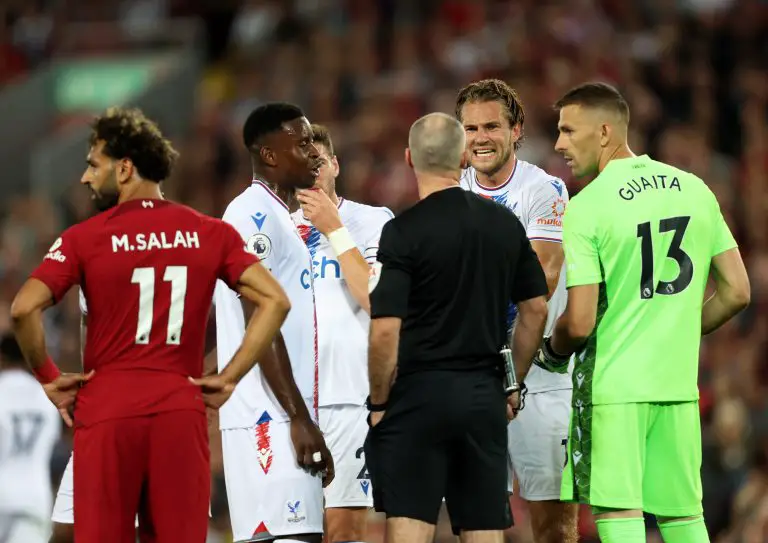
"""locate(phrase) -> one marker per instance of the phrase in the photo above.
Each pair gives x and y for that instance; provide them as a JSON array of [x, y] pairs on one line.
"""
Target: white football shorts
[[268, 493], [537, 442], [22, 528], [345, 428], [64, 506]]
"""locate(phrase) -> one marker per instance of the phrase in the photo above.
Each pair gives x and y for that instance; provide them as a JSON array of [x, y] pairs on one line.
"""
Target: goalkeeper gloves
[[549, 360]]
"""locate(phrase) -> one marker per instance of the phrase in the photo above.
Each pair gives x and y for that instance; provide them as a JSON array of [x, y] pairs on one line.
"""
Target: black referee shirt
[[450, 266]]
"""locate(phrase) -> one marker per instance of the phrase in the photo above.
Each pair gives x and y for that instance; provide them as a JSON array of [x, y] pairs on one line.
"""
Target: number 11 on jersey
[[145, 278]]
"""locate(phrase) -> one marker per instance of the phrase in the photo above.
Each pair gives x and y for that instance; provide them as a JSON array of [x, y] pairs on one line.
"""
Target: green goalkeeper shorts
[[635, 456]]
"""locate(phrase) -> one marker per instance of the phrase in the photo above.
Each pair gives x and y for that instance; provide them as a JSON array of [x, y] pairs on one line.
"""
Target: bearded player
[[493, 119]]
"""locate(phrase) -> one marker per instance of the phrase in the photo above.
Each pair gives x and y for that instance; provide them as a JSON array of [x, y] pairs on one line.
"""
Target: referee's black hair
[[268, 118]]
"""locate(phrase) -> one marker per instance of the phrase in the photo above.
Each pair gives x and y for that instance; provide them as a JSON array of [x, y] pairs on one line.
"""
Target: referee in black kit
[[438, 315]]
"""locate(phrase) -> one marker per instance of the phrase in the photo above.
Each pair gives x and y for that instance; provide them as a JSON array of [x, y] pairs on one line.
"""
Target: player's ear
[[517, 131], [465, 159], [124, 170], [335, 166], [408, 158], [606, 131], [267, 155]]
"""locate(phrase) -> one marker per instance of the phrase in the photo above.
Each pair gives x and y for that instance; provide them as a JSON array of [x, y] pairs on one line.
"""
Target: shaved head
[[436, 143]]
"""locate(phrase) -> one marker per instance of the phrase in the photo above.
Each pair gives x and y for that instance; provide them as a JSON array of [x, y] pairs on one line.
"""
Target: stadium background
[[694, 72]]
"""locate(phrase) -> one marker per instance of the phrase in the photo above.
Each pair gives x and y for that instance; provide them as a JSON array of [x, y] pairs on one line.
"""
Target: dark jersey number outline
[[678, 225], [360, 453]]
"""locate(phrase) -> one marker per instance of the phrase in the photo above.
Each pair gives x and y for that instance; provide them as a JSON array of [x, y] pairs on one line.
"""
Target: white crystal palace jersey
[[262, 219], [342, 323], [30, 425], [538, 199]]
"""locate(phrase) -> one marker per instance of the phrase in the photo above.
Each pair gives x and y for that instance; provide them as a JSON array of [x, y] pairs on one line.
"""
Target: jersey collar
[[262, 184], [504, 184]]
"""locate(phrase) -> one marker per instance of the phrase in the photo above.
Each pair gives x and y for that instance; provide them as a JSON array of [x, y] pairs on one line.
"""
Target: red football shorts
[[156, 466]]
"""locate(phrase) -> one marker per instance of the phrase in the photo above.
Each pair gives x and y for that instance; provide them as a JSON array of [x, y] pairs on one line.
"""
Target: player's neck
[[431, 183], [620, 151], [499, 177], [143, 190]]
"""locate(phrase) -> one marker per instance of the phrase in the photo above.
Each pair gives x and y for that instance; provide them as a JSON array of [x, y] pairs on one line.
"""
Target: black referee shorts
[[444, 435]]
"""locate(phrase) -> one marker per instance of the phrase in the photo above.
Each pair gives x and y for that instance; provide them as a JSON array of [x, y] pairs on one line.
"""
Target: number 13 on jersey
[[680, 282], [145, 278]]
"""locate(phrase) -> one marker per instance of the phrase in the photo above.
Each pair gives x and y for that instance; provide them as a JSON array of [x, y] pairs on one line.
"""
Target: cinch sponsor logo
[[327, 268]]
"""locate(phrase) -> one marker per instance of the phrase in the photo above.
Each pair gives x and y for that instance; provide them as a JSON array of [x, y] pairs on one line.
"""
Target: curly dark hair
[[128, 133], [494, 90]]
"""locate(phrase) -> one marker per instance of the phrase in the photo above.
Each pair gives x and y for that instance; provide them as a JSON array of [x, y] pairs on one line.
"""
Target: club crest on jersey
[[54, 253], [264, 442], [259, 245], [294, 509]]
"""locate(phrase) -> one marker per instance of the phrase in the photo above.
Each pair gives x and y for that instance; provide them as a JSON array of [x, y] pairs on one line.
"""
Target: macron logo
[[146, 203]]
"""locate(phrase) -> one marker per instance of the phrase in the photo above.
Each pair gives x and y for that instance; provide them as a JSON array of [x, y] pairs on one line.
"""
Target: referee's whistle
[[510, 376]]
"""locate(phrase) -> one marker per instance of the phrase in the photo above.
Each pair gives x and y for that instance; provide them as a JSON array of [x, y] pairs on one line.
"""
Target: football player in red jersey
[[147, 268]]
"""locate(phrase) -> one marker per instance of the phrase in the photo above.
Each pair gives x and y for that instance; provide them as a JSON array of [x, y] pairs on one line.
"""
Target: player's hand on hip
[[63, 390], [215, 388], [312, 454], [320, 210]]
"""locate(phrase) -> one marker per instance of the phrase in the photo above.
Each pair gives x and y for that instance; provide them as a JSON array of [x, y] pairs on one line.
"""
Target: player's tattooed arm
[[551, 257], [732, 291]]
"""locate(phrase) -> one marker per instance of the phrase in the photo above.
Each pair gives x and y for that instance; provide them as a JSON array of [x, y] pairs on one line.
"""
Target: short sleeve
[[722, 239], [236, 258], [390, 281], [528, 279], [257, 228], [580, 244], [61, 267], [547, 207], [379, 219]]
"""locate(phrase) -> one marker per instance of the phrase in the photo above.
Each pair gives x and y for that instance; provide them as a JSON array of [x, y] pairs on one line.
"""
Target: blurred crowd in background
[[695, 73]]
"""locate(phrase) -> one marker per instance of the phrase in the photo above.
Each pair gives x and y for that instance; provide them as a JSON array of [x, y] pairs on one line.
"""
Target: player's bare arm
[[27, 318], [551, 257], [576, 324], [324, 215], [276, 367], [258, 286], [732, 291], [382, 360]]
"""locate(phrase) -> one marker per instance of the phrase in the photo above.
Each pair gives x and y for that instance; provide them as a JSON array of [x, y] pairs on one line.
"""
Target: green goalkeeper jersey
[[645, 232]]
